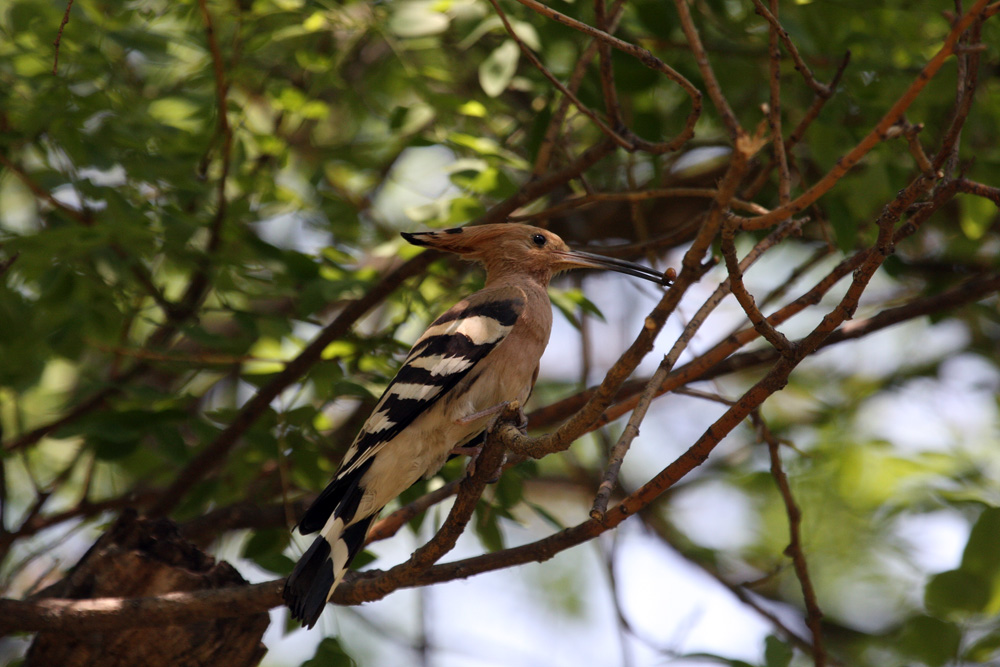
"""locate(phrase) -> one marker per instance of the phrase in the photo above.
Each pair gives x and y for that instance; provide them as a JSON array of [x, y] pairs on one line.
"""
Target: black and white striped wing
[[445, 354]]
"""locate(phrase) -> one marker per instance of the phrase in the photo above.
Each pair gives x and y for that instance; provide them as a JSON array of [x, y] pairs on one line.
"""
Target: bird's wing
[[445, 353]]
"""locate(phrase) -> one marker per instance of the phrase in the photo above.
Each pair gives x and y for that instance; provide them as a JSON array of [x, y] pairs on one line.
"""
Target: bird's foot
[[475, 416]]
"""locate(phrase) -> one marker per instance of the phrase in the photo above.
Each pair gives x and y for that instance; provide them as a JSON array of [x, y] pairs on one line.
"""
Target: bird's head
[[511, 249]]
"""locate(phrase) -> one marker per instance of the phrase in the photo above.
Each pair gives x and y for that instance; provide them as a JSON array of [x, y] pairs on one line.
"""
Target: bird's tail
[[322, 567]]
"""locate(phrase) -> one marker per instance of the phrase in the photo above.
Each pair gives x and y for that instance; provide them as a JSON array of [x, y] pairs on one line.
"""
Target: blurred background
[[162, 265]]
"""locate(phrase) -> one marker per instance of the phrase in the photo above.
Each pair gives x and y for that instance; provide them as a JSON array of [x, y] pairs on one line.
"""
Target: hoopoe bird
[[472, 361]]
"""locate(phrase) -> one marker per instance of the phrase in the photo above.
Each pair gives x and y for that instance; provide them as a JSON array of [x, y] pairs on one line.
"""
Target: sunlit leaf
[[496, 72]]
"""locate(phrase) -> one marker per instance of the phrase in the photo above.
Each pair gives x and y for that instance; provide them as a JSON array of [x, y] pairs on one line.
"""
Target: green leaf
[[112, 450], [362, 559], [570, 302], [978, 215], [488, 526], [932, 641], [330, 653], [497, 70], [982, 552], [178, 112], [777, 653], [418, 18], [508, 491], [958, 591], [265, 549], [547, 516]]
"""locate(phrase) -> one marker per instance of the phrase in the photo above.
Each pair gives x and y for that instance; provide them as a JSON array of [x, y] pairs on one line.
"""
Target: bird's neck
[[497, 276]]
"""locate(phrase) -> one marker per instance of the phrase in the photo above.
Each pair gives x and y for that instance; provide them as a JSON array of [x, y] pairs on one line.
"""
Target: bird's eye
[[538, 240]]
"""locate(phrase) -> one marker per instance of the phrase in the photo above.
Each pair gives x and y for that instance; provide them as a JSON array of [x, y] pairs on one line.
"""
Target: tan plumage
[[472, 361]]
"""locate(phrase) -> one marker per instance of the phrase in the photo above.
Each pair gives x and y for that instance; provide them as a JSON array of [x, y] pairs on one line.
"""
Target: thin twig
[[876, 135], [584, 109], [647, 59], [56, 44], [118, 613], [607, 71], [745, 299], [653, 385], [964, 96], [979, 189], [779, 32], [636, 196], [705, 68], [691, 271], [774, 108], [911, 133], [814, 615], [811, 114], [575, 79]]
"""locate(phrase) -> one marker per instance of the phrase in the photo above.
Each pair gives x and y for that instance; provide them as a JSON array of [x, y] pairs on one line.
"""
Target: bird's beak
[[586, 260]]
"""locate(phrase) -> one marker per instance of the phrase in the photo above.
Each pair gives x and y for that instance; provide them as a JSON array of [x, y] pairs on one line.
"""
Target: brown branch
[[968, 60], [608, 88], [812, 113], [774, 108], [778, 32], [575, 79], [243, 515], [106, 614], [714, 362], [647, 59], [980, 190], [911, 133], [199, 283], [58, 41], [617, 455], [814, 616], [584, 109], [610, 478], [109, 614], [876, 135], [745, 299], [636, 196], [221, 93], [707, 74]]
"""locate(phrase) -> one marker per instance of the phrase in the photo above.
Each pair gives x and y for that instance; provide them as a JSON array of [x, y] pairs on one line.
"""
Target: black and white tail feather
[[446, 353]]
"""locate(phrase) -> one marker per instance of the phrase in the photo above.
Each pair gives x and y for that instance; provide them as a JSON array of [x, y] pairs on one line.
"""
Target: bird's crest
[[510, 249]]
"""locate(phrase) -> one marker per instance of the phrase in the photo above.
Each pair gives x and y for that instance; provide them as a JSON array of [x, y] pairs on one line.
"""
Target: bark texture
[[140, 558]]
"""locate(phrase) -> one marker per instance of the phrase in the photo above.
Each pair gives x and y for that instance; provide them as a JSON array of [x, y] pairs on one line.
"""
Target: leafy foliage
[[184, 211]]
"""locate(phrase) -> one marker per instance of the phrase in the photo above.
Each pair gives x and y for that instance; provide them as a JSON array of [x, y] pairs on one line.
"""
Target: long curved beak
[[586, 260]]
